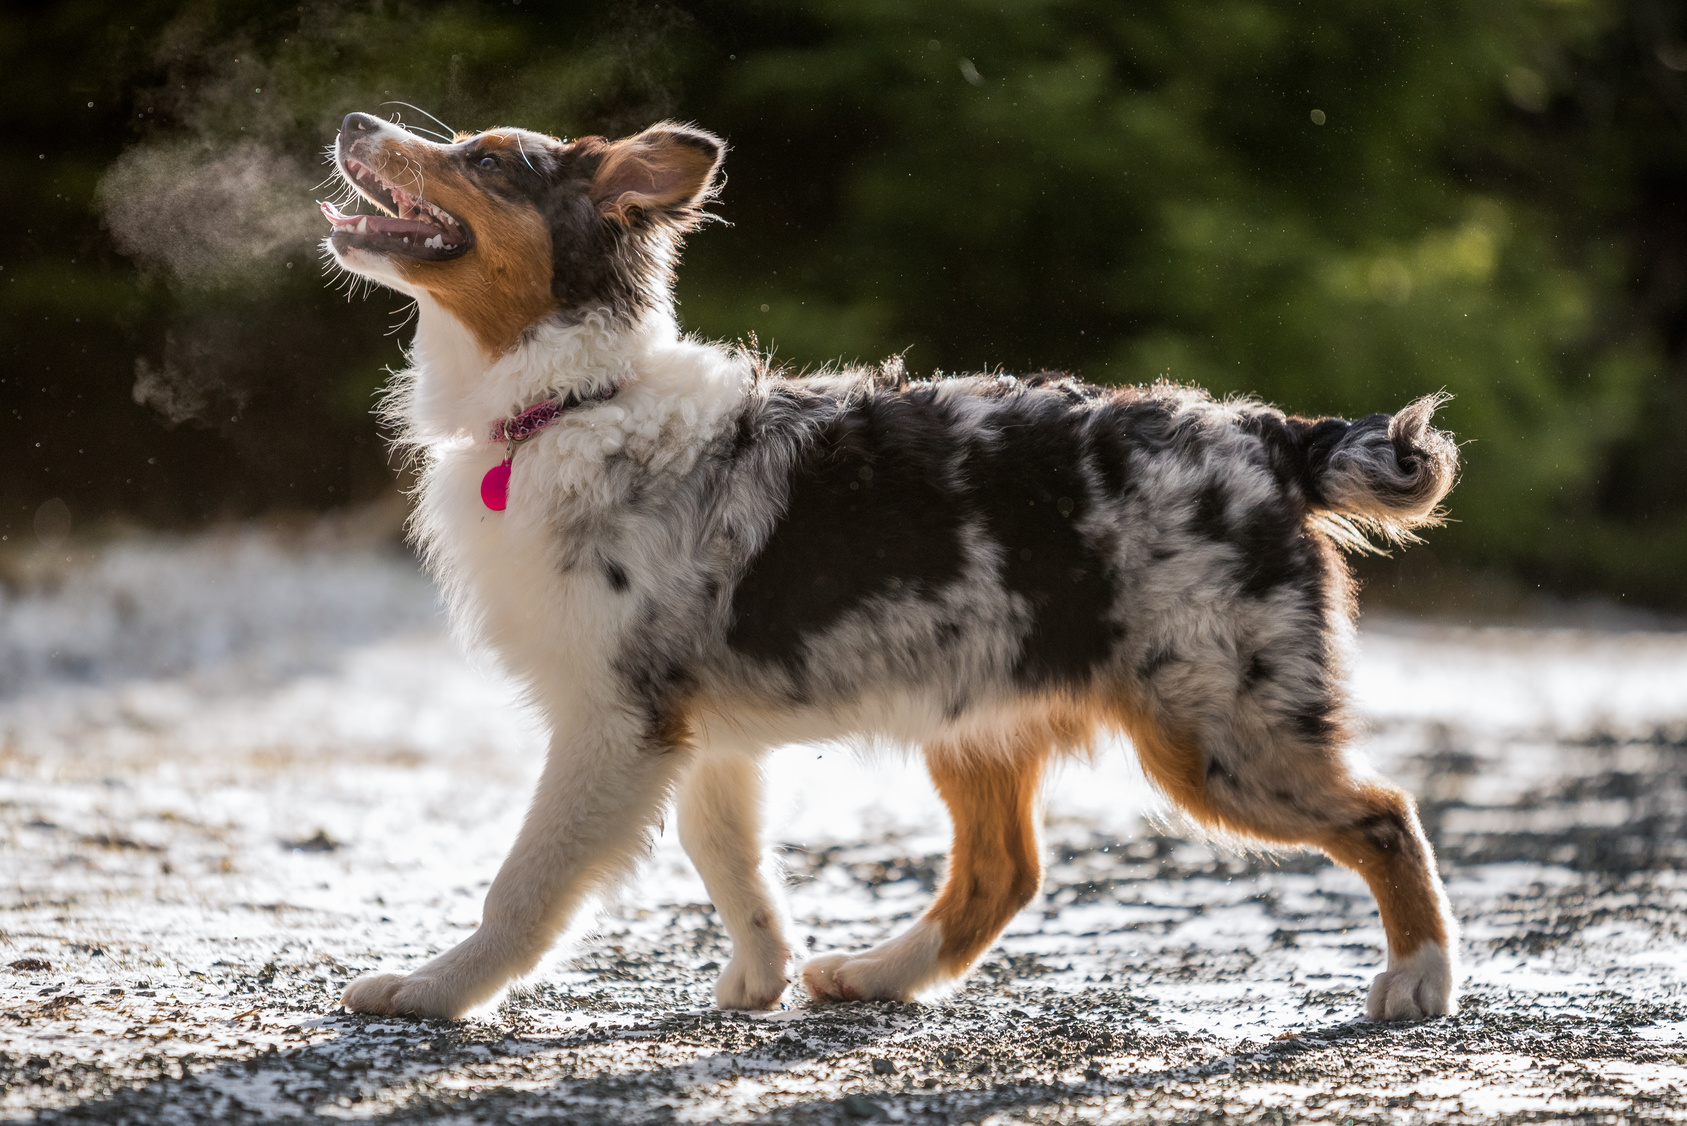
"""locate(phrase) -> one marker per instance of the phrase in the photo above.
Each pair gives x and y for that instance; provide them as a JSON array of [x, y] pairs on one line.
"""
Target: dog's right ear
[[662, 175]]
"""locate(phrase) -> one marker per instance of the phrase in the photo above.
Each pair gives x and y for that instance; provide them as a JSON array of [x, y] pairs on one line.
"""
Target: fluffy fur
[[721, 559]]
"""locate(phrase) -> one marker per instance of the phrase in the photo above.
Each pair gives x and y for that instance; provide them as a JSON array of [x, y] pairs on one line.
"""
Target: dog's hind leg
[[994, 870], [605, 780], [720, 813], [1288, 784]]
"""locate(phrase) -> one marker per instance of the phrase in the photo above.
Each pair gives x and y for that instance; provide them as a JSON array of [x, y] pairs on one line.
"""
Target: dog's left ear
[[664, 174]]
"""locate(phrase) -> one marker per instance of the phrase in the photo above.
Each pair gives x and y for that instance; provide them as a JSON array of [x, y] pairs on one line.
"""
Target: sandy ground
[[235, 772]]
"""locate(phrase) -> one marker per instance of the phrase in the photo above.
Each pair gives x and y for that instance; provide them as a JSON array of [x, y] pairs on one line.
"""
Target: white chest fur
[[521, 580]]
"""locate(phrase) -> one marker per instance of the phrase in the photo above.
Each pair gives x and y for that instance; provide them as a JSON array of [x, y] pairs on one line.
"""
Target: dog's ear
[[663, 175]]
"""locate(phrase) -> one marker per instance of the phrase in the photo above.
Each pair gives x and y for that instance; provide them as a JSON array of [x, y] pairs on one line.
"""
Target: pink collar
[[516, 429], [520, 427]]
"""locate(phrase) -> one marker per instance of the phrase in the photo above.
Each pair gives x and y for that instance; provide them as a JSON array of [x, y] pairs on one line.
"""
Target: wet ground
[[235, 773]]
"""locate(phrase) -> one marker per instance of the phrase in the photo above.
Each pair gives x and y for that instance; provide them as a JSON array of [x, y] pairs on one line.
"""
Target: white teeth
[[363, 225], [435, 243]]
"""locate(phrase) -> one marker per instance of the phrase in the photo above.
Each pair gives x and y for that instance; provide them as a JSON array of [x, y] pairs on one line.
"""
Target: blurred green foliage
[[1336, 205]]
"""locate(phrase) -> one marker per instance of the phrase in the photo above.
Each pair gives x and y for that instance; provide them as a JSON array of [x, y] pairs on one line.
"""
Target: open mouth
[[411, 227]]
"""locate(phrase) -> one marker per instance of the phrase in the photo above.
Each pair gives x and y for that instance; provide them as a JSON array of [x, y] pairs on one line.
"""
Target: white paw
[[752, 983], [1414, 988], [895, 971], [405, 995]]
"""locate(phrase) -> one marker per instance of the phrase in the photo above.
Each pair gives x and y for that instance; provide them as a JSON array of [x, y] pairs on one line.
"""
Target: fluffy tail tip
[[1389, 474]]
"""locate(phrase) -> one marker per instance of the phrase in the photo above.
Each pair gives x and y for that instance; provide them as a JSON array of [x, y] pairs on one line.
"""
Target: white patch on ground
[[239, 769]]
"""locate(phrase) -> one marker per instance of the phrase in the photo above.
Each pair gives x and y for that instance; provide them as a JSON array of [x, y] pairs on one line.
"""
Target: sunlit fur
[[721, 558]]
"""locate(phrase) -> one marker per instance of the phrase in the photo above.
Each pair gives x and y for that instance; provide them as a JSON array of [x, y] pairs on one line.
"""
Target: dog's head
[[506, 228]]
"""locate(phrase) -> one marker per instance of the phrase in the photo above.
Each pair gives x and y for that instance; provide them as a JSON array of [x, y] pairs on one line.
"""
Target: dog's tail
[[1383, 474]]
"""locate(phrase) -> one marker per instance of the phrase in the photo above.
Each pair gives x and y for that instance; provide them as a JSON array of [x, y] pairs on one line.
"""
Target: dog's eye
[[489, 162]]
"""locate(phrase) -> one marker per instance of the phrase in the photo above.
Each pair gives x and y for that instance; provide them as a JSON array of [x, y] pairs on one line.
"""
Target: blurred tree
[[1336, 205]]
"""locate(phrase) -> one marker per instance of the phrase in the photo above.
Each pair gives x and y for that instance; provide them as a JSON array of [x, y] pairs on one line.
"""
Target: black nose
[[357, 124]]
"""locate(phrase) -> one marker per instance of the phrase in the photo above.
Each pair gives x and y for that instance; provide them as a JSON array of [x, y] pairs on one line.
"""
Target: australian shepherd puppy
[[687, 559]]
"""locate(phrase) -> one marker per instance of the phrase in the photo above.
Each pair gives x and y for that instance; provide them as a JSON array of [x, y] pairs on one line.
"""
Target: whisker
[[423, 112], [420, 130], [409, 315], [421, 181]]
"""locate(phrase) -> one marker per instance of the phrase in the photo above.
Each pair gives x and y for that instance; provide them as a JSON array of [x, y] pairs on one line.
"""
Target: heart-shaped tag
[[495, 486]]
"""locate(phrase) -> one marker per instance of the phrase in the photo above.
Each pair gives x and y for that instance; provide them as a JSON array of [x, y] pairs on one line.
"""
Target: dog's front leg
[[603, 783], [720, 815]]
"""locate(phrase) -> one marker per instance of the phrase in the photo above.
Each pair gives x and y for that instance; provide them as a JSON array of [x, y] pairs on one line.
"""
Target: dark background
[[1490, 198]]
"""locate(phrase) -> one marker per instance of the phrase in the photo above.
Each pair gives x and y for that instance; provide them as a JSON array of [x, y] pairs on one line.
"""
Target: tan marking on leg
[[994, 869], [1370, 827], [1173, 762], [1387, 847]]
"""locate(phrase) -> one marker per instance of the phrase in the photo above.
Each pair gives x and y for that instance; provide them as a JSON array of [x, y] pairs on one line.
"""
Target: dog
[[686, 559]]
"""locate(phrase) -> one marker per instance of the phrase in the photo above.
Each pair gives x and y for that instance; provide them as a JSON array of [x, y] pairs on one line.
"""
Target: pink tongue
[[380, 224], [388, 226]]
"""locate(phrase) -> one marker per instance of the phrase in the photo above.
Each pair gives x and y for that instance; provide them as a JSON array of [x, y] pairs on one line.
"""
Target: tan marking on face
[[502, 285]]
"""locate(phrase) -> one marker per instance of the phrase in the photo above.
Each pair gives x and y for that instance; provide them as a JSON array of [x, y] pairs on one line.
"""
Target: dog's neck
[[454, 388]]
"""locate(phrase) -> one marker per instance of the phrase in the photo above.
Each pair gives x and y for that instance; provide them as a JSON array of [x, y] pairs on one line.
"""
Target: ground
[[238, 770]]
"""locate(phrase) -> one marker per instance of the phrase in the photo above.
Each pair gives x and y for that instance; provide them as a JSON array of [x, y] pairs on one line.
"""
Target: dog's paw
[[895, 971], [751, 983], [831, 978], [402, 995], [1420, 986], [373, 994]]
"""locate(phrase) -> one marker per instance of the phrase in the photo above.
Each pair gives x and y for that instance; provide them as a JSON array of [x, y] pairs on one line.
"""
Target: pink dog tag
[[495, 486]]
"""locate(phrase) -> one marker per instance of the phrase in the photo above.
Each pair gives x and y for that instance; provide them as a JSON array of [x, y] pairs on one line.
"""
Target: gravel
[[199, 855]]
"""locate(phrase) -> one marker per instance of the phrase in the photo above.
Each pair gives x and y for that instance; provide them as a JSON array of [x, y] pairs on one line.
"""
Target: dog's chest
[[521, 579]]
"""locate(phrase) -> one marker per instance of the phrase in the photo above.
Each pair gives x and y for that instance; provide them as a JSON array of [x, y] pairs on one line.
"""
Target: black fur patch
[[1297, 449], [1275, 548], [615, 575], [1316, 723], [870, 513], [1208, 519], [1109, 452], [1028, 489]]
